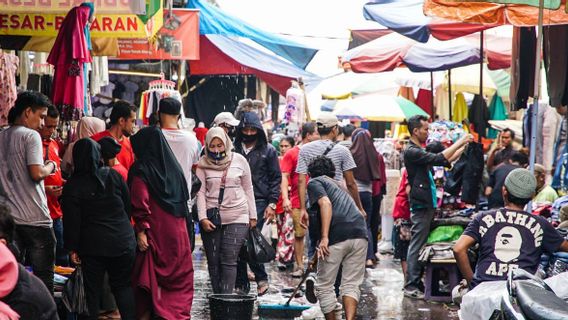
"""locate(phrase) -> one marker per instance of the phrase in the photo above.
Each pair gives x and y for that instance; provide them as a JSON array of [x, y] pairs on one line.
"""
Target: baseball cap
[[521, 183], [226, 117], [326, 120]]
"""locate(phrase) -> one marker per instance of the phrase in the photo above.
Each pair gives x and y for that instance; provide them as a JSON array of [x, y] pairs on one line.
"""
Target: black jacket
[[97, 222], [263, 161], [418, 163]]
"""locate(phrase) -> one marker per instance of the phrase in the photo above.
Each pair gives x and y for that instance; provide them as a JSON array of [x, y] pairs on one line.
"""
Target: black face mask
[[249, 138]]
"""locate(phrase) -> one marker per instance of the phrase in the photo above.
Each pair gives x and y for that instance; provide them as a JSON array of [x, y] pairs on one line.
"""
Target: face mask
[[231, 132], [249, 138], [217, 155]]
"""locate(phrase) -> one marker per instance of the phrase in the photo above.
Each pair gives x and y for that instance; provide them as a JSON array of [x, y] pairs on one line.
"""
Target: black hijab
[[157, 166], [89, 178]]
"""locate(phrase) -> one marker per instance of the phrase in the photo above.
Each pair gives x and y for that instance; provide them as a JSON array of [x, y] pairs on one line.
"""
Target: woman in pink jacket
[[218, 169]]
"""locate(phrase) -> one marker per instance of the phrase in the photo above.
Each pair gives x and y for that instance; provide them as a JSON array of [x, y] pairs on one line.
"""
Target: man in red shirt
[[291, 199], [54, 183], [122, 119]]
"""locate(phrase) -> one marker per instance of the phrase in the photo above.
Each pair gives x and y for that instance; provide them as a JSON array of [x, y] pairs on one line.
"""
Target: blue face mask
[[217, 155]]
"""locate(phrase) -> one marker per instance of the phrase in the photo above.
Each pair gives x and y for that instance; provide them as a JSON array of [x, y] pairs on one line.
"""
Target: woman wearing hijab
[[367, 171], [86, 127], [97, 231], [163, 272], [110, 148], [237, 208]]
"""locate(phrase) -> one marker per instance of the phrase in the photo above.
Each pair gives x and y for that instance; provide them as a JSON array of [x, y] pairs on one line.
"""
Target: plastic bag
[[267, 231], [259, 250], [74, 296], [445, 234], [483, 300]]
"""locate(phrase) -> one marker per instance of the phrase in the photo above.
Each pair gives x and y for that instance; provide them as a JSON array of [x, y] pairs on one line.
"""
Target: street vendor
[[503, 151], [509, 238]]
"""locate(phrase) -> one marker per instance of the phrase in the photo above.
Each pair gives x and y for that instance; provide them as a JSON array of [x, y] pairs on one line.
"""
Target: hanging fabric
[[459, 111], [479, 115], [407, 93], [69, 55], [8, 89], [424, 101], [555, 46], [496, 112], [522, 66]]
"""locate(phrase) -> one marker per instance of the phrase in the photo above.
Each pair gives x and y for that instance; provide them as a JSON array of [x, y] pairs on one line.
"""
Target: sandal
[[262, 289]]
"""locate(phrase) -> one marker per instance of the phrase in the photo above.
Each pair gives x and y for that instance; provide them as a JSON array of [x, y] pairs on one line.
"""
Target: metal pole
[[534, 113], [450, 91], [432, 94], [481, 50], [534, 109]]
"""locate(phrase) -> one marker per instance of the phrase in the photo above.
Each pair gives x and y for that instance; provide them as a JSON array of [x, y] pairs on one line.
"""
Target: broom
[[287, 311]]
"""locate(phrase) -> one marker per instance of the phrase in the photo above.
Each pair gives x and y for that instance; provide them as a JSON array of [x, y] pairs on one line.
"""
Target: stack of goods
[[446, 132]]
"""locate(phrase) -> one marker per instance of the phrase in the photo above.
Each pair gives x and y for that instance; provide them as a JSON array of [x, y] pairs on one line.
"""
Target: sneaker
[[298, 273], [414, 294], [312, 313], [310, 289]]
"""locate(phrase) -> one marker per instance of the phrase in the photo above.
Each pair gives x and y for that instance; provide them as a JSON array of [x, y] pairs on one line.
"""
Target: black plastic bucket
[[231, 306]]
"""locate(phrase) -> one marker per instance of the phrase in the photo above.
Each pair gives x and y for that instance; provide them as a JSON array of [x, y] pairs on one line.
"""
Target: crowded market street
[[265, 159]]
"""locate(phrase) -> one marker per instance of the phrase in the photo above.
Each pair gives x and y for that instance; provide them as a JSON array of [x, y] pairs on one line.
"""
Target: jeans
[[61, 255], [222, 247], [367, 202], [376, 220], [349, 254], [119, 271], [421, 220], [37, 249], [259, 271]]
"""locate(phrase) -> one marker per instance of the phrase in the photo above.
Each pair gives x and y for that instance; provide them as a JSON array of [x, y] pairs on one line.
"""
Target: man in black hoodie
[[252, 143]]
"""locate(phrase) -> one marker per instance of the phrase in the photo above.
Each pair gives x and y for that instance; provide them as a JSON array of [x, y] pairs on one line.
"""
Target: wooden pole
[[432, 94]]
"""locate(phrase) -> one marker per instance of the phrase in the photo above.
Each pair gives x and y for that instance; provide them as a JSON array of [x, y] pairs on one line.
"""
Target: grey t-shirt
[[22, 147], [339, 155], [347, 222]]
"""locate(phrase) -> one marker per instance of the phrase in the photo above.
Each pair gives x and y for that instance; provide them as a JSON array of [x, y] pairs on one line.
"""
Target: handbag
[[258, 249], [74, 296], [214, 214]]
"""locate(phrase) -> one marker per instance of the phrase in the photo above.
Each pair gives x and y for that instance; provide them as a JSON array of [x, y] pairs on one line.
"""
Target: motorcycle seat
[[537, 303]]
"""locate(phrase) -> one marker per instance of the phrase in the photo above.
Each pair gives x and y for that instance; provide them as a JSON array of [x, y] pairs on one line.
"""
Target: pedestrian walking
[[97, 230], [163, 271], [227, 185]]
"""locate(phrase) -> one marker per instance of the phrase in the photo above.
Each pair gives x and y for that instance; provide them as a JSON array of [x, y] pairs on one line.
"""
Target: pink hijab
[[8, 280], [86, 127]]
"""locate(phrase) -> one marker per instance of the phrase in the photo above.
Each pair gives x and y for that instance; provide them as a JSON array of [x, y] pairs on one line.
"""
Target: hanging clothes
[[424, 101], [150, 101], [547, 129], [8, 89], [459, 111], [522, 66], [479, 115], [68, 55], [99, 75], [407, 93], [555, 46], [442, 103], [473, 173], [496, 112], [24, 68]]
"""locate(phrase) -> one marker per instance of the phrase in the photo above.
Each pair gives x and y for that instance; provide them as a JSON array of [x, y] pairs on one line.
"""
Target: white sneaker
[[312, 313]]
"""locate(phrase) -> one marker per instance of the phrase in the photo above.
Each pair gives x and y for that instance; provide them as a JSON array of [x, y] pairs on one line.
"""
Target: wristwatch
[[272, 206]]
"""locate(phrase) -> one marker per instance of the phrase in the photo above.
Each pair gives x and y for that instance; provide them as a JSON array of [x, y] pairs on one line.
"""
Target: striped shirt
[[339, 155]]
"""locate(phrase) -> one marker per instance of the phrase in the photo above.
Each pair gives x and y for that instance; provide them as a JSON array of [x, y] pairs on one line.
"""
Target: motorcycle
[[530, 298]]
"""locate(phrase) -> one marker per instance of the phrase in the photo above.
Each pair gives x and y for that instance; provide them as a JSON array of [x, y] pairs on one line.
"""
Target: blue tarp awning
[[214, 21]]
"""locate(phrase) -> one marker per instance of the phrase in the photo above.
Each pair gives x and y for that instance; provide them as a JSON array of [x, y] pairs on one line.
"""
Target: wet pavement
[[381, 295]]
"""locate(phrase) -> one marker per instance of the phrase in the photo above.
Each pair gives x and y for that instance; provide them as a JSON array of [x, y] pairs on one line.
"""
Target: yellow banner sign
[[63, 6], [47, 25]]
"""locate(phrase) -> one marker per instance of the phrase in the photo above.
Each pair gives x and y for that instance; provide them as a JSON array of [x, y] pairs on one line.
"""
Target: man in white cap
[[509, 238], [227, 121]]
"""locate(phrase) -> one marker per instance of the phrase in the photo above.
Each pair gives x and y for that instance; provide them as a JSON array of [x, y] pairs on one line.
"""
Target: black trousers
[[37, 249], [119, 271]]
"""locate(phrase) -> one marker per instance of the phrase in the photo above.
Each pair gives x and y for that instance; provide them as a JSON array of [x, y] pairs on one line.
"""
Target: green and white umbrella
[[377, 107]]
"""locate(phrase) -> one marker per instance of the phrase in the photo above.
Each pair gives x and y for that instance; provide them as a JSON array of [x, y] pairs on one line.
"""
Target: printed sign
[[63, 6]]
